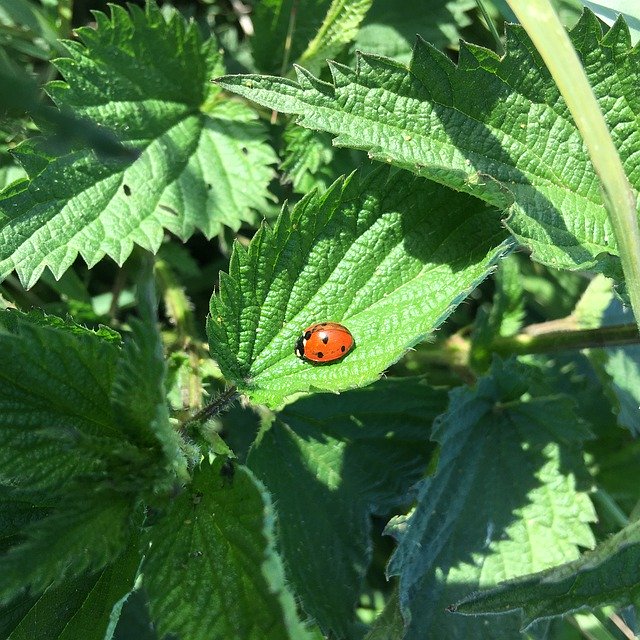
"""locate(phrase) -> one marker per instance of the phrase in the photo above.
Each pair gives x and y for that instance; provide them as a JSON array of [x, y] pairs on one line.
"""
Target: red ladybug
[[324, 342]]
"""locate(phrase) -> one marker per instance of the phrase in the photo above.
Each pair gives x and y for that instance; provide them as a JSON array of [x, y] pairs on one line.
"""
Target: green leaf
[[495, 128], [607, 575], [623, 367], [200, 161], [81, 607], [609, 10], [338, 29], [212, 571], [283, 29], [307, 156], [389, 257], [389, 625], [66, 447], [357, 453], [390, 27], [311, 161], [10, 173], [86, 531], [54, 401], [505, 500], [138, 396]]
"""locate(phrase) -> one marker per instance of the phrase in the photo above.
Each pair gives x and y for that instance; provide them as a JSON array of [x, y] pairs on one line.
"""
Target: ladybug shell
[[324, 342]]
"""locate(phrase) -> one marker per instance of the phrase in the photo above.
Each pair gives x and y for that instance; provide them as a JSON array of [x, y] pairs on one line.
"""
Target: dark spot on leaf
[[197, 498], [245, 151], [209, 186], [320, 354], [227, 470], [127, 189]]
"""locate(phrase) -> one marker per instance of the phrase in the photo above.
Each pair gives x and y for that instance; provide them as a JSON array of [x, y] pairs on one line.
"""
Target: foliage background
[[164, 239]]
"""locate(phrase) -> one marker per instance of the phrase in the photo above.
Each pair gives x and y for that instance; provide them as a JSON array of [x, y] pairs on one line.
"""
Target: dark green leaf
[[212, 571], [328, 464], [505, 500], [607, 575], [81, 607]]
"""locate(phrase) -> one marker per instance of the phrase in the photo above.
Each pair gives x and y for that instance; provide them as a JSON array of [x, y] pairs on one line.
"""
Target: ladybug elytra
[[324, 342]]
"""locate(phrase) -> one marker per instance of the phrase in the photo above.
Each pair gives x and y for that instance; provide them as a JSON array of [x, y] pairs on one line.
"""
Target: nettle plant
[[492, 470]]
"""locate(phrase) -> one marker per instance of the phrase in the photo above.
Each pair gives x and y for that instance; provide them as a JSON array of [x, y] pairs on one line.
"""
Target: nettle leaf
[[78, 608], [607, 575], [495, 128], [311, 161], [389, 28], [138, 396], [504, 501], [54, 401], [505, 315], [86, 531], [212, 571], [389, 257], [307, 155], [69, 447], [200, 161], [353, 455]]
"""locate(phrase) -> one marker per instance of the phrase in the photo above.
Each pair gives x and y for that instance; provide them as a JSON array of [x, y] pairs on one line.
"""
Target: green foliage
[[495, 128], [468, 529], [173, 470], [200, 161], [389, 29], [408, 264], [223, 526], [352, 455], [338, 29], [607, 574]]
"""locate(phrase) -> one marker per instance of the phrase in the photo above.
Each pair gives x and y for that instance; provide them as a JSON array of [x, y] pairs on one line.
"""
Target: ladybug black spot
[[307, 335], [325, 340], [320, 354], [342, 348]]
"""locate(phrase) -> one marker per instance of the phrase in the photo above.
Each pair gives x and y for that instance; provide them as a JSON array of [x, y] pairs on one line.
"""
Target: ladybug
[[324, 342]]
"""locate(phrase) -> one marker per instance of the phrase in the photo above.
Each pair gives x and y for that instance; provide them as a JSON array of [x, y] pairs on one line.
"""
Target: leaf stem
[[544, 342], [491, 26], [551, 40], [610, 508]]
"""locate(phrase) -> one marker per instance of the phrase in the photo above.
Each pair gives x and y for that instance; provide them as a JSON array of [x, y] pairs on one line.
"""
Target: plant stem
[[609, 507], [544, 342], [491, 26], [552, 42]]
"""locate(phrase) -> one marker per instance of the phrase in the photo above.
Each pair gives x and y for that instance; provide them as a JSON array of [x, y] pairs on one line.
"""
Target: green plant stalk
[[552, 42], [601, 337], [491, 26]]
